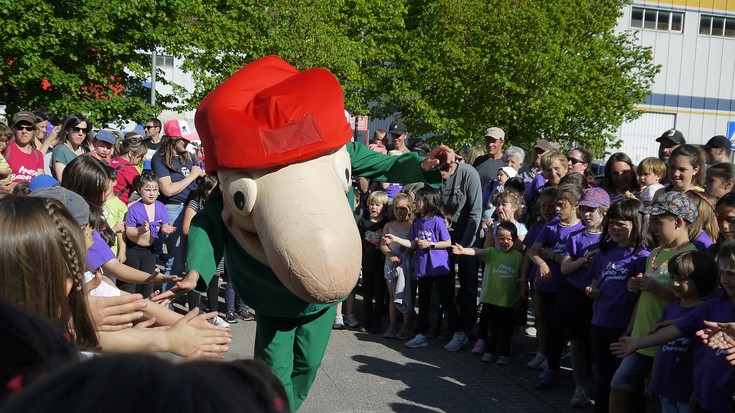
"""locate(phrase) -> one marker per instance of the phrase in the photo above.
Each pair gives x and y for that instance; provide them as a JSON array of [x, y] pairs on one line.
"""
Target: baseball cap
[[674, 136], [180, 129], [675, 203], [595, 197], [105, 136], [397, 128], [719, 141], [42, 181], [510, 171], [72, 201], [495, 133], [543, 144], [24, 116]]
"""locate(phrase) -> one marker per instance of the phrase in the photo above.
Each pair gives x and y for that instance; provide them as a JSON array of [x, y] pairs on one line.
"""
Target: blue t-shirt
[[179, 172], [137, 214], [100, 252], [555, 237], [612, 269], [714, 377], [428, 262], [672, 378]]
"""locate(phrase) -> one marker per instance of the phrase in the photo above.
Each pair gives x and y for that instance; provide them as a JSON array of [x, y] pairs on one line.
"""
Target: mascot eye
[[241, 195], [343, 168]]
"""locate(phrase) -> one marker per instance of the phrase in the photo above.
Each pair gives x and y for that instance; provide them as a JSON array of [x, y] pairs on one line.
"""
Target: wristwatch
[[432, 246]]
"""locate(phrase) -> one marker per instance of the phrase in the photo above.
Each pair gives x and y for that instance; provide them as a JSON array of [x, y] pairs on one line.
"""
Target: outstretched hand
[[182, 287], [439, 155], [624, 346]]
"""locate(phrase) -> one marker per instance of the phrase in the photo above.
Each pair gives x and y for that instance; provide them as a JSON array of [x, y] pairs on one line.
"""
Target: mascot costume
[[280, 144]]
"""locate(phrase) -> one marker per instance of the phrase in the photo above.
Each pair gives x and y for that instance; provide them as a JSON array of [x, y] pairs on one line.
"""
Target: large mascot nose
[[308, 231]]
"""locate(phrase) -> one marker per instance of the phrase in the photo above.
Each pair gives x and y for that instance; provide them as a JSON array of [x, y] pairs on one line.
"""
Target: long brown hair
[[41, 249], [167, 151]]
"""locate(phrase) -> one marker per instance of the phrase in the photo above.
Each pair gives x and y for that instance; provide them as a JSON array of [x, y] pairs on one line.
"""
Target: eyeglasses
[[148, 127], [21, 127], [574, 161], [77, 129]]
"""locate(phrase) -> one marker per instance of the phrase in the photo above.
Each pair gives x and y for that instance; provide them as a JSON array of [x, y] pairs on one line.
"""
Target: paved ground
[[364, 372]]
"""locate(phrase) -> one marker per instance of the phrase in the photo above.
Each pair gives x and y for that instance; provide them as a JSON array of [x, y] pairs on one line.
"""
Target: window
[[653, 19], [164, 61], [717, 26]]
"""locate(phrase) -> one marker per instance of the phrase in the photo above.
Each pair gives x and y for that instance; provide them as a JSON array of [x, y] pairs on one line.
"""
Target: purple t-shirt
[[703, 243], [100, 252], [579, 244], [531, 237], [672, 377], [393, 189], [430, 262], [714, 377], [555, 236], [612, 269], [137, 214]]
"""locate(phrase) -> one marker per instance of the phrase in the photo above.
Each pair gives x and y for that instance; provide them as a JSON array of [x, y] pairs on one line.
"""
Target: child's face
[[716, 185], [400, 210], [554, 172], [3, 144], [375, 209], [726, 221], [646, 177], [564, 209], [726, 270], [513, 162], [149, 193], [103, 149], [507, 209], [502, 177], [681, 172], [683, 287], [88, 231], [503, 239], [591, 217], [546, 208], [620, 231], [420, 206], [664, 228]]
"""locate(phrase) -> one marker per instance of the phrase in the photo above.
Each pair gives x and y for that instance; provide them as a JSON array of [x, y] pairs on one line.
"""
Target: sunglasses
[[148, 127], [77, 129], [21, 127], [574, 161]]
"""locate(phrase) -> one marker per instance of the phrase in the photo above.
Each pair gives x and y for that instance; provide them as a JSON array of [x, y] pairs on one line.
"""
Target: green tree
[[86, 56]]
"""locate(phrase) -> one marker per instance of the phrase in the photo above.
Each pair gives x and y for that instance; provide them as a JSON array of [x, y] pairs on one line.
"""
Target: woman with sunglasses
[[24, 159], [580, 160], [73, 142]]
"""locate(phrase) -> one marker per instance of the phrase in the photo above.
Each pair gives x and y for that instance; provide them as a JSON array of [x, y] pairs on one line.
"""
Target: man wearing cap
[[529, 171], [487, 165], [24, 159], [718, 150], [399, 134], [102, 146], [667, 142]]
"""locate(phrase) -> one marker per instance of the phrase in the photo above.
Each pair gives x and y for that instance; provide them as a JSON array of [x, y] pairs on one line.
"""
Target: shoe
[[565, 354], [544, 365], [338, 323], [503, 360], [547, 380], [391, 332], [580, 398], [535, 364], [245, 314], [351, 321], [458, 340], [419, 341], [488, 358], [219, 322], [231, 317], [479, 347], [404, 334]]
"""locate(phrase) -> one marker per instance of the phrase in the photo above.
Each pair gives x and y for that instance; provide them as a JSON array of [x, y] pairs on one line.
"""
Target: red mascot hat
[[269, 114]]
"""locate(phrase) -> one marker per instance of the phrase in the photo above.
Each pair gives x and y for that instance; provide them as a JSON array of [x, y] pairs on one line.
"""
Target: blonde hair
[[552, 156], [474, 153], [706, 219], [653, 164], [401, 196], [378, 197]]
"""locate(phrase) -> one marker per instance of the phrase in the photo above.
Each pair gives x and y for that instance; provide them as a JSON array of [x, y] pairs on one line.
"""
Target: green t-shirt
[[650, 306], [63, 155], [500, 280]]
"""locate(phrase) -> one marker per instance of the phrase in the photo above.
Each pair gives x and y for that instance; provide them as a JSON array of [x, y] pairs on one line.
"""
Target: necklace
[[567, 225], [663, 264], [594, 232]]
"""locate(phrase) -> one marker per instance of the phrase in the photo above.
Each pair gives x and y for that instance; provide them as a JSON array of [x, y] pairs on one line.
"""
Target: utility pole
[[153, 79]]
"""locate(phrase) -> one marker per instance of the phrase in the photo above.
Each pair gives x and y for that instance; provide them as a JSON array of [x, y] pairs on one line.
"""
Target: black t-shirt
[[373, 231]]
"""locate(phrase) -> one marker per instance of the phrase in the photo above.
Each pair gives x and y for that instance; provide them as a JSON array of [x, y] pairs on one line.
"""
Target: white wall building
[[694, 42]]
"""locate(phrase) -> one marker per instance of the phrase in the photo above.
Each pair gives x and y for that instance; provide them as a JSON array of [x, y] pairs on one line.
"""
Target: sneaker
[[404, 334], [580, 398], [351, 321], [547, 380], [219, 322], [338, 323], [544, 365], [391, 332], [503, 360], [231, 317], [535, 364], [419, 341], [479, 347], [245, 314], [458, 340], [488, 358]]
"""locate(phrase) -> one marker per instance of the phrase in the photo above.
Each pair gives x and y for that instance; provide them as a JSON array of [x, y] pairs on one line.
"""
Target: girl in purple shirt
[[622, 254], [430, 239]]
